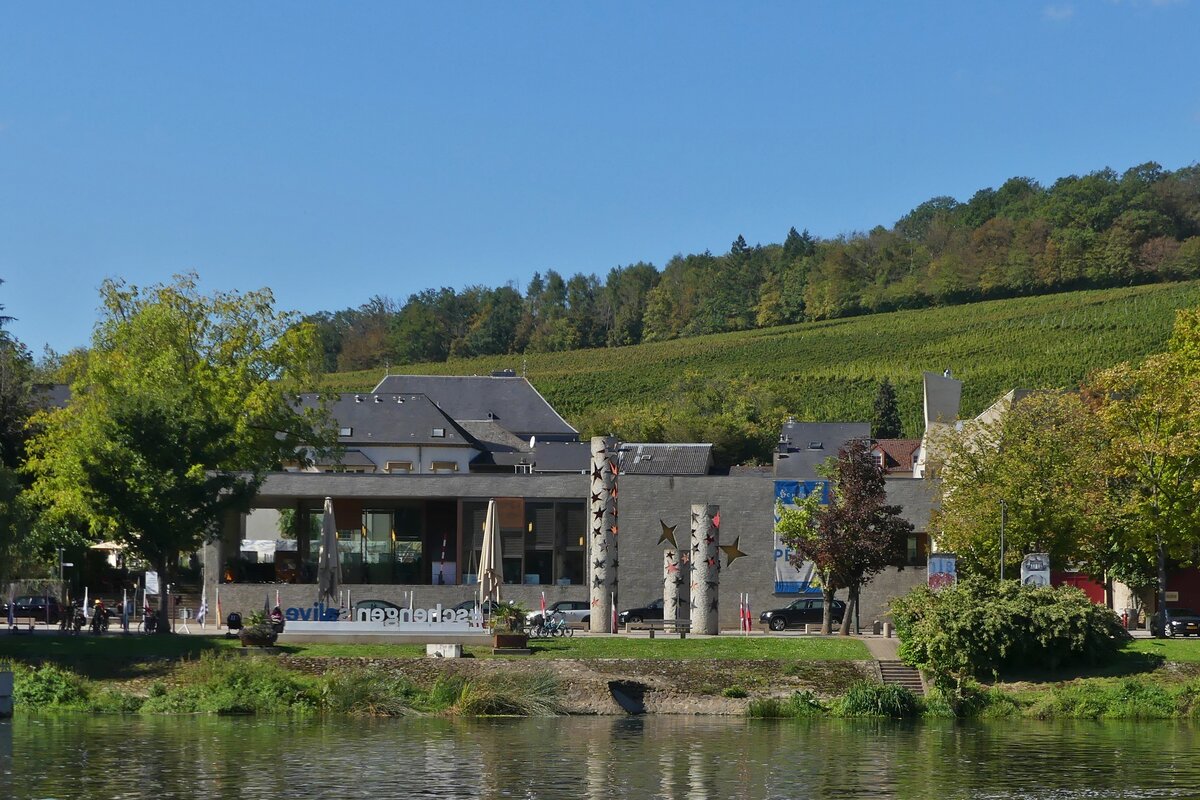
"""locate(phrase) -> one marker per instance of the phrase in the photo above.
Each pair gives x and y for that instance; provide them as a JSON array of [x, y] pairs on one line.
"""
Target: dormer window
[[347, 431], [439, 433], [815, 446]]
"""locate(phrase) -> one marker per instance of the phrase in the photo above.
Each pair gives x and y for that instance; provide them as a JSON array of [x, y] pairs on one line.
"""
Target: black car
[[36, 608], [1178, 622], [649, 611], [805, 611]]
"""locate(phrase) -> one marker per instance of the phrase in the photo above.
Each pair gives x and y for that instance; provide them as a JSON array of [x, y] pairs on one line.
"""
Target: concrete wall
[[747, 516]]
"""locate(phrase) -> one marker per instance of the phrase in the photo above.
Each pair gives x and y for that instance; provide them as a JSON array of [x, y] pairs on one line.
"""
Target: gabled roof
[[898, 453], [493, 437], [508, 400], [392, 419], [806, 445], [665, 459]]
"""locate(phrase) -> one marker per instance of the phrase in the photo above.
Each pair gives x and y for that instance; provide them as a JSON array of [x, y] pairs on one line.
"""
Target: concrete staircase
[[900, 674]]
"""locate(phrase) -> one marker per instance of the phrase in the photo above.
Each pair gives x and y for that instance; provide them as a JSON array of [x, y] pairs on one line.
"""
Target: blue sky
[[337, 151]]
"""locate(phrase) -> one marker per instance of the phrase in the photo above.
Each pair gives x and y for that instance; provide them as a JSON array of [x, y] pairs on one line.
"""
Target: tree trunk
[[827, 619], [164, 596], [851, 607], [1162, 580]]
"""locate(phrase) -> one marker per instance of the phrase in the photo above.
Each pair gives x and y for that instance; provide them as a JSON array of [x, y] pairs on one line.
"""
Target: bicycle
[[551, 626]]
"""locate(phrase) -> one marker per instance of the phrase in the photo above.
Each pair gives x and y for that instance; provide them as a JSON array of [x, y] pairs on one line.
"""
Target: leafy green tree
[[1046, 458], [885, 416], [182, 408], [1153, 421], [851, 539]]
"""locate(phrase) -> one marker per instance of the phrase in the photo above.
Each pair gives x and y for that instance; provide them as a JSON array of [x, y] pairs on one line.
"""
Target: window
[[439, 433], [347, 431], [398, 466], [444, 466]]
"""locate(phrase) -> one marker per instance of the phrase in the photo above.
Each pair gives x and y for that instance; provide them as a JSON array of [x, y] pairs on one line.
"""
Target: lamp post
[[1003, 519]]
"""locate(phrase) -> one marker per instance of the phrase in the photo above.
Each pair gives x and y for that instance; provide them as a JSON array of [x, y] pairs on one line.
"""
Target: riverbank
[[807, 676]]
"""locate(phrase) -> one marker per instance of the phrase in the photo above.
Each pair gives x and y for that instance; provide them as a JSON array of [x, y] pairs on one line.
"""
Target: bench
[[680, 626]]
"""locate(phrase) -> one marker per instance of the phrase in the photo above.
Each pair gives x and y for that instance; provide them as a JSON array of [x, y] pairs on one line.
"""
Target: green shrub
[[799, 704], [217, 684], [114, 701], [735, 692], [368, 693], [1126, 699], [49, 686], [971, 700], [868, 699], [535, 695], [980, 628]]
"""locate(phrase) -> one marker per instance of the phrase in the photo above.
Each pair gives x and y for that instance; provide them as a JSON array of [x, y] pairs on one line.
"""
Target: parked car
[[572, 611], [805, 611], [1175, 622], [472, 605], [652, 610], [37, 608]]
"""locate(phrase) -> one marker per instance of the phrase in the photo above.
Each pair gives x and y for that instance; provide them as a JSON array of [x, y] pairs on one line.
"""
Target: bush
[[1127, 699], [869, 699], [735, 692], [368, 693], [800, 704], [980, 629], [49, 686], [535, 695], [234, 685]]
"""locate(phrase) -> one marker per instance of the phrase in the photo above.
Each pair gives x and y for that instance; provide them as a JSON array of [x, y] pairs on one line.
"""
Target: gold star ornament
[[732, 551], [668, 534]]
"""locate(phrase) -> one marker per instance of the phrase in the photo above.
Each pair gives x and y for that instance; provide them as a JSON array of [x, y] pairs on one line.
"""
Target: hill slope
[[830, 370]]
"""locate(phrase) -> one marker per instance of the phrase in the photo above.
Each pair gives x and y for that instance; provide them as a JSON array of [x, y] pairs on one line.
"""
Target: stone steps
[[900, 674]]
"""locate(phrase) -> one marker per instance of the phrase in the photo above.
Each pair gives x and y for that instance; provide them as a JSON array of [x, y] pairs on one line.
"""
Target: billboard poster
[[943, 570], [1035, 569], [788, 578]]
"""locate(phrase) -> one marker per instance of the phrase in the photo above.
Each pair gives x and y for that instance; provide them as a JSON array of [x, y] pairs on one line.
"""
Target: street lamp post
[[1003, 519]]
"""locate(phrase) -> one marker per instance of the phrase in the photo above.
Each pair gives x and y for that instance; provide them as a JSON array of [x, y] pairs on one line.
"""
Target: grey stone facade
[[746, 507]]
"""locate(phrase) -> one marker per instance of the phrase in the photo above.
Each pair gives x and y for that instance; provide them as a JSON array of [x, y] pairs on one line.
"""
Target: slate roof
[[509, 400], [51, 395], [494, 437], [392, 419], [350, 458], [562, 457], [665, 459], [917, 499], [806, 445]]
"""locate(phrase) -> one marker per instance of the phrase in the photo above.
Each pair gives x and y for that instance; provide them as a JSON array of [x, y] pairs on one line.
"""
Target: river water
[[106, 758]]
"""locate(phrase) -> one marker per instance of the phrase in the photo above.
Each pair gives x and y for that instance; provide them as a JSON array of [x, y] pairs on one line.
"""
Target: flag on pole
[[202, 611], [125, 610], [613, 621], [277, 603], [87, 610], [220, 619], [543, 604]]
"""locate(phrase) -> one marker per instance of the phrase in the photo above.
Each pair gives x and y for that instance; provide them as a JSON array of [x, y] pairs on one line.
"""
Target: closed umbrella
[[491, 574], [329, 567]]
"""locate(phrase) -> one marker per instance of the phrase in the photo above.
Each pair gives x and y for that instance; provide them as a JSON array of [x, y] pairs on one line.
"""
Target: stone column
[[672, 580], [705, 568], [602, 544]]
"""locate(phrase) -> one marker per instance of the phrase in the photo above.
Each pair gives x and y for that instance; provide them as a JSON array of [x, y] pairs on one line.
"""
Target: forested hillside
[[735, 389], [1099, 230]]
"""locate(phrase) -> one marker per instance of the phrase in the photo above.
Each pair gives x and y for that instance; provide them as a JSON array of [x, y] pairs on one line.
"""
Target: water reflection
[[647, 758]]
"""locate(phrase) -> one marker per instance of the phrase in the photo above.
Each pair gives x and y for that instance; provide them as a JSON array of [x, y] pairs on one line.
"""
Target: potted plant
[[508, 626], [258, 631]]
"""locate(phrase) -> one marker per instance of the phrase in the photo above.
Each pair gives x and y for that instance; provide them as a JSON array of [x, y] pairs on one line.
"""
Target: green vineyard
[[829, 371]]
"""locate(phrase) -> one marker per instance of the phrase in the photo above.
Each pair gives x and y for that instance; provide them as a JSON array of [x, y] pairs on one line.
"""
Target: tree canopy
[[181, 408]]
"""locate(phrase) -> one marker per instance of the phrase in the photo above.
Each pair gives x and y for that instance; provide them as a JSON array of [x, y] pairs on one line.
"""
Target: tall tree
[[885, 417], [1152, 417], [851, 539], [181, 409]]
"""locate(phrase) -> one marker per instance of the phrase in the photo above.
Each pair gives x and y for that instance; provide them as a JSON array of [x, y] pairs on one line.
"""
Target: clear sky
[[337, 151]]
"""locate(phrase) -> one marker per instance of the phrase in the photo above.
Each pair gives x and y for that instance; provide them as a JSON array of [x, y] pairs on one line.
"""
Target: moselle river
[[79, 756]]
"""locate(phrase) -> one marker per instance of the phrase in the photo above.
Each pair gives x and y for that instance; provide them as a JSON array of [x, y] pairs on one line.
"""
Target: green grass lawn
[[127, 656], [1179, 650]]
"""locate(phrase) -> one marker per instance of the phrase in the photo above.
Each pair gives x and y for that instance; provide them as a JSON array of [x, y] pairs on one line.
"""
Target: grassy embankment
[[830, 370], [188, 674], [1150, 680]]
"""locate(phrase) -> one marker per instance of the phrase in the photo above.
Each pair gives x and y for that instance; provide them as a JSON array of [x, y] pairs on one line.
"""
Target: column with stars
[[706, 567], [602, 543]]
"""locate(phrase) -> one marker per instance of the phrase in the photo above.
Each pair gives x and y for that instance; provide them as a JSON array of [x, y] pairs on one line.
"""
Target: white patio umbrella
[[329, 567], [491, 560]]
